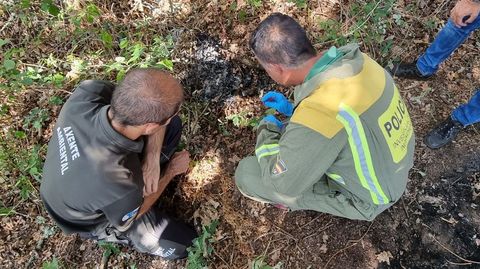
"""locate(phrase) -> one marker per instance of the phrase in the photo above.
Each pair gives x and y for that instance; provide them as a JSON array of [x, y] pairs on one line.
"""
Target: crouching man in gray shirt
[[111, 155]]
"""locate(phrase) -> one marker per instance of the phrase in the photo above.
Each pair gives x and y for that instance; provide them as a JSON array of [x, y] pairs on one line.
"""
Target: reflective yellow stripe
[[267, 150], [361, 153], [336, 177], [267, 154], [266, 146]]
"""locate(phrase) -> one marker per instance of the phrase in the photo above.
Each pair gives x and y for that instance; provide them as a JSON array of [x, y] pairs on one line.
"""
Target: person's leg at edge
[[445, 43], [469, 113], [463, 116]]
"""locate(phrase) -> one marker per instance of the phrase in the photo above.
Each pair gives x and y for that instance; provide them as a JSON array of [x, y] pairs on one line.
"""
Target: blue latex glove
[[279, 102], [272, 119]]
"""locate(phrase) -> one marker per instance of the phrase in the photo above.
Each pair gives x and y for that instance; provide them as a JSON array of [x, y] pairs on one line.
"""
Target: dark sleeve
[[93, 91], [122, 212]]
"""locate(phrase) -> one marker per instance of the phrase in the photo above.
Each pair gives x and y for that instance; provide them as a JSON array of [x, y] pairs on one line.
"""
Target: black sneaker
[[407, 70], [443, 133]]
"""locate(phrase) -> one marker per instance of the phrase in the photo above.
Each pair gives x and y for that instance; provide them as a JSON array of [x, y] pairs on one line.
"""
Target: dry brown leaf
[[384, 256]]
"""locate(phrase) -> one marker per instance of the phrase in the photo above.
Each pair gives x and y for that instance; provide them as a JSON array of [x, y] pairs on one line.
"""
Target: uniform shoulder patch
[[130, 214], [279, 168]]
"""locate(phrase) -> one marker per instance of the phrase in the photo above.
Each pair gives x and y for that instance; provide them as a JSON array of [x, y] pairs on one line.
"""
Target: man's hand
[[279, 102], [151, 175], [178, 164], [464, 8], [272, 119]]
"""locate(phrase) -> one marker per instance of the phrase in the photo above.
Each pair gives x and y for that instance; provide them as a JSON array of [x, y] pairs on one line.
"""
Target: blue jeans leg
[[468, 113], [446, 42]]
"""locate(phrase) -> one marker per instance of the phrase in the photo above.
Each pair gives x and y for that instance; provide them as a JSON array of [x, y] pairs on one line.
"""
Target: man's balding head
[[146, 95], [279, 39]]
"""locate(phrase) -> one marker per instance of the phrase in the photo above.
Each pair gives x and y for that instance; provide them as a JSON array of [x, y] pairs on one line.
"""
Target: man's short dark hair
[[146, 95], [279, 39]]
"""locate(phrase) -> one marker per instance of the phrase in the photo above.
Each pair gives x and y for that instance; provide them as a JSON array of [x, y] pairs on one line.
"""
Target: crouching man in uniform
[[111, 155], [347, 143]]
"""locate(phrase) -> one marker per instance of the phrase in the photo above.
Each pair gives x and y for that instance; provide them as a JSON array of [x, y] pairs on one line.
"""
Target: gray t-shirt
[[92, 176]]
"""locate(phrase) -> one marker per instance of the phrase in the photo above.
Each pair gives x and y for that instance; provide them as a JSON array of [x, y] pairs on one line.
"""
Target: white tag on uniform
[[130, 214]]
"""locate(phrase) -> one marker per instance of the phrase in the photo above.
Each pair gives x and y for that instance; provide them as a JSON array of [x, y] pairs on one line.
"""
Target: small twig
[[301, 250], [263, 235], [275, 250], [104, 262], [405, 209], [215, 253], [456, 180], [285, 232], [347, 247], [317, 232], [366, 19], [453, 253], [459, 263], [440, 8], [232, 255], [170, 3], [314, 219]]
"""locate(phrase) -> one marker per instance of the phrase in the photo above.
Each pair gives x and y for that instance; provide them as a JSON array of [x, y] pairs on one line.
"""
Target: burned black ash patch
[[210, 76]]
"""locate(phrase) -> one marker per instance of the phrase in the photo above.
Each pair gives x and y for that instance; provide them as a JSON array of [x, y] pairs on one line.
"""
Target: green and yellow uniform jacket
[[348, 146]]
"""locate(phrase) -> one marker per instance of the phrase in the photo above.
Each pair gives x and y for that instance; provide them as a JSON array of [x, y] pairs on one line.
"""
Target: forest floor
[[436, 224]]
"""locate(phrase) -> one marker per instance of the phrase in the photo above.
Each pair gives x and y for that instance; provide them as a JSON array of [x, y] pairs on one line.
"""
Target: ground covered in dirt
[[435, 225]]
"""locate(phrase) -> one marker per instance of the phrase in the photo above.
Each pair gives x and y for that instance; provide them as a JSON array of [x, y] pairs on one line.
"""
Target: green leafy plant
[[242, 15], [107, 39], [299, 3], [201, 248], [6, 211], [47, 230], [36, 118], [242, 120], [332, 31], [20, 165], [259, 263], [53, 264], [14, 78], [87, 15], [29, 163], [109, 249], [369, 26], [49, 7], [255, 3], [55, 100], [136, 54]]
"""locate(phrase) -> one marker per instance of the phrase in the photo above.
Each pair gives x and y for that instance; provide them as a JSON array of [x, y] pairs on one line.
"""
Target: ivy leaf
[[5, 211], [107, 39], [92, 13], [9, 64], [20, 134], [166, 63], [4, 42], [50, 7]]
